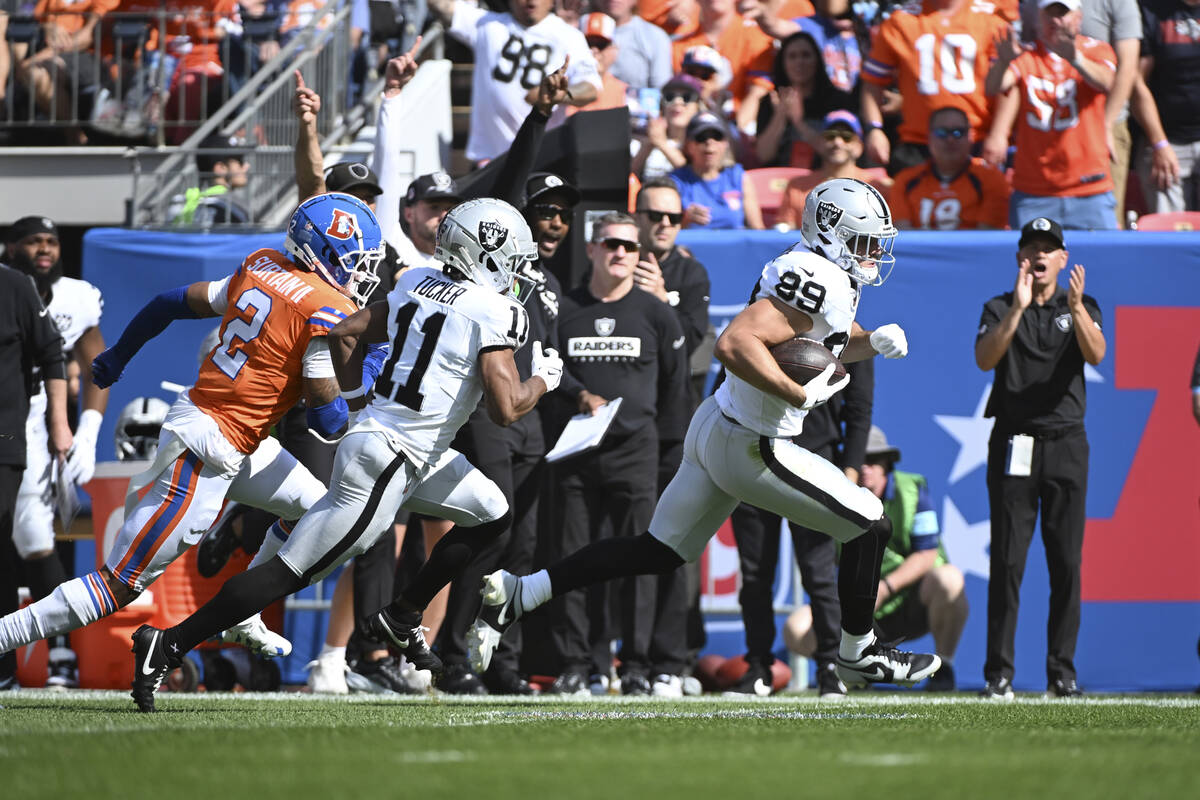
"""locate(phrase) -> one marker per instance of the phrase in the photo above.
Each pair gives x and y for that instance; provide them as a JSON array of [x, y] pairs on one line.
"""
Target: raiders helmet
[[138, 427], [849, 222], [487, 241]]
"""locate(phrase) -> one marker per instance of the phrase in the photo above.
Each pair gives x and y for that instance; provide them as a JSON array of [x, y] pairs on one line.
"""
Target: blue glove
[[373, 362], [107, 368]]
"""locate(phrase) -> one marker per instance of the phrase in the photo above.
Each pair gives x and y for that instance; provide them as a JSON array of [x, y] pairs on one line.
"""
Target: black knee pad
[[490, 531], [658, 557]]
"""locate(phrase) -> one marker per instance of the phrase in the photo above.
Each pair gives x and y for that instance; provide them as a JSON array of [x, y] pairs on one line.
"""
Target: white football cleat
[[254, 635], [501, 607], [327, 674]]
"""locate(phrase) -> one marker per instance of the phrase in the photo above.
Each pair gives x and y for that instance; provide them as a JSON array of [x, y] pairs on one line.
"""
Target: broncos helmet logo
[[343, 225], [492, 235]]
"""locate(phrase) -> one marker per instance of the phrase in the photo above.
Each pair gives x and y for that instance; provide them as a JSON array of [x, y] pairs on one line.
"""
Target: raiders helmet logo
[[492, 235], [1041, 224], [553, 181], [442, 182], [605, 326], [343, 225], [828, 215]]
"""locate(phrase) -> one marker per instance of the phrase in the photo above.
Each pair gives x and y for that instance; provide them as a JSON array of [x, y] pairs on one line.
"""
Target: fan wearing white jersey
[[75, 306], [452, 335], [737, 446], [514, 50]]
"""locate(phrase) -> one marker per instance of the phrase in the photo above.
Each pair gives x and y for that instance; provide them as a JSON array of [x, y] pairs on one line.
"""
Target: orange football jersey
[[936, 60], [1061, 135], [749, 51], [976, 197], [253, 376]]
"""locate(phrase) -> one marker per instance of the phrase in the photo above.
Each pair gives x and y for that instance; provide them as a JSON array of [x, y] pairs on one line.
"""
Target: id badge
[[1020, 456]]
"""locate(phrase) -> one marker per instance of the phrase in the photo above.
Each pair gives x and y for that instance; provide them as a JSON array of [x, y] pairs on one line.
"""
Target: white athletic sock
[[853, 645], [535, 590], [328, 651], [276, 537], [72, 605]]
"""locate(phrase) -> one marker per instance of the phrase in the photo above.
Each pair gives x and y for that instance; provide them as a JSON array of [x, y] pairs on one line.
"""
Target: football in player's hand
[[804, 359]]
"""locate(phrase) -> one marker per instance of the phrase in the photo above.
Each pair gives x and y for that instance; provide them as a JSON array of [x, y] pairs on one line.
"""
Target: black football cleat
[[880, 664], [1065, 687], [218, 545], [151, 664], [406, 635]]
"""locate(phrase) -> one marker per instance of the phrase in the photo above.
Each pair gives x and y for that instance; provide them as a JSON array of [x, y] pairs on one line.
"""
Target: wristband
[[888, 584], [1160, 144], [354, 394], [874, 126]]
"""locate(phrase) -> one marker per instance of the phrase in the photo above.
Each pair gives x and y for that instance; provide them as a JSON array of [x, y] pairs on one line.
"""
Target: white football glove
[[547, 366], [889, 341], [81, 461], [819, 389]]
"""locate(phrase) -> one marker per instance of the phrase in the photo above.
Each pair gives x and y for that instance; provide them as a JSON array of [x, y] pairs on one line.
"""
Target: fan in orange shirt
[[1055, 95], [63, 66], [748, 50], [676, 17], [951, 191], [936, 52], [841, 146], [598, 30]]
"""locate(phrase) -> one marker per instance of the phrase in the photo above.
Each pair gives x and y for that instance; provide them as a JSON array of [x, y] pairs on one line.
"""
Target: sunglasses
[[950, 133], [599, 44], [684, 97], [549, 211], [673, 217], [703, 73], [845, 136], [708, 136], [613, 245]]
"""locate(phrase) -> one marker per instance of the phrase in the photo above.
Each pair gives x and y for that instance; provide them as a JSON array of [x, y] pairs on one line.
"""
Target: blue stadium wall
[[1141, 574]]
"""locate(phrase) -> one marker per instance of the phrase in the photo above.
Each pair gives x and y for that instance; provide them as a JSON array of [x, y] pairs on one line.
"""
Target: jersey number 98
[[515, 53]]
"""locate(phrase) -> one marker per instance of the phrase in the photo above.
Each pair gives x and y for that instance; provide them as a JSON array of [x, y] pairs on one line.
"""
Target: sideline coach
[[1037, 338]]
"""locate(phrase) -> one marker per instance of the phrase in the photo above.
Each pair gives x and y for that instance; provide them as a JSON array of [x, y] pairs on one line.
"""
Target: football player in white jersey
[[452, 335], [738, 447], [75, 306], [514, 50]]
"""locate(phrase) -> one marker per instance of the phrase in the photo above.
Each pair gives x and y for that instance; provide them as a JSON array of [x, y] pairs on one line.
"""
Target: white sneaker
[[691, 686], [419, 679], [501, 606], [327, 675], [254, 635], [598, 685], [667, 686]]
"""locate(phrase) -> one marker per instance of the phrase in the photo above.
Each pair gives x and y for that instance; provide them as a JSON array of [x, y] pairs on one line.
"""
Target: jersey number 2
[[408, 393], [229, 356]]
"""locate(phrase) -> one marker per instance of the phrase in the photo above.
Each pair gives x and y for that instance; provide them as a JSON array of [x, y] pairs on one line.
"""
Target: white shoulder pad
[[803, 280]]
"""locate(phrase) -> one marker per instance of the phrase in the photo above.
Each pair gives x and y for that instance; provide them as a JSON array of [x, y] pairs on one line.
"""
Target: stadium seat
[[1171, 221], [769, 183]]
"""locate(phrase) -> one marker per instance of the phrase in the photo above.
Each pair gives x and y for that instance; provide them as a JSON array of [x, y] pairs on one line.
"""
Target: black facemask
[[43, 280]]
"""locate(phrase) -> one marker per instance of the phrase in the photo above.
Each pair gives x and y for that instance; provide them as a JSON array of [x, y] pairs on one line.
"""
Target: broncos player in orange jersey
[[276, 312]]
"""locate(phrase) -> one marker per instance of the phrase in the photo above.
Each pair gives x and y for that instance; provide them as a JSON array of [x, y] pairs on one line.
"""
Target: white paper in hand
[[66, 502], [584, 431]]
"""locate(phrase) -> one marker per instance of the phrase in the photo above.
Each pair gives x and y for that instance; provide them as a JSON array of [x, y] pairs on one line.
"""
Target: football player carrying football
[[738, 446]]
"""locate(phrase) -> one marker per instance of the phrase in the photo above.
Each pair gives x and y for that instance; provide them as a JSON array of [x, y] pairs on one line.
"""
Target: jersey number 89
[[534, 57]]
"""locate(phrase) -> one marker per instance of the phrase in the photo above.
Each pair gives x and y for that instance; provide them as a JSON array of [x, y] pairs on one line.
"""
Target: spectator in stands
[[224, 171], [599, 30], [748, 50], [832, 26], [1171, 64], [909, 51], [715, 190], [789, 117], [678, 18], [644, 58], [513, 52], [60, 67], [194, 37], [1061, 169], [660, 151], [951, 191], [712, 70], [919, 590], [841, 147]]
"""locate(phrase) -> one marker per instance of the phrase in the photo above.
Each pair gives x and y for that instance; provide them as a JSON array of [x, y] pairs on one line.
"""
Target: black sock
[[242, 595], [620, 557], [44, 575], [858, 576], [452, 552]]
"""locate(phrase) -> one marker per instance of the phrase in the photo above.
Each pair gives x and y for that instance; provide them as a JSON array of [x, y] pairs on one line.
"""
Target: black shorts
[[909, 621]]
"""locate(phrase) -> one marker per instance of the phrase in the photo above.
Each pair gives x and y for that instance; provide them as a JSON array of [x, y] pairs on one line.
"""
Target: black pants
[[1058, 482], [511, 457], [10, 483], [608, 492], [757, 535]]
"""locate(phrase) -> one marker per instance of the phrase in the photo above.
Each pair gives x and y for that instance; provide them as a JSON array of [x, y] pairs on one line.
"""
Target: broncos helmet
[[337, 236], [138, 426], [849, 222], [487, 241]]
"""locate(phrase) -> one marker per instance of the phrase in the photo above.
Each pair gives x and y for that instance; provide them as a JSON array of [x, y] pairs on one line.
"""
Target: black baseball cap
[[703, 123], [544, 183], [1044, 227], [351, 175], [434, 186], [29, 226]]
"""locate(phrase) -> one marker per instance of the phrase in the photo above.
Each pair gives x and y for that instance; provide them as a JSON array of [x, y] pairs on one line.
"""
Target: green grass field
[[93, 744]]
